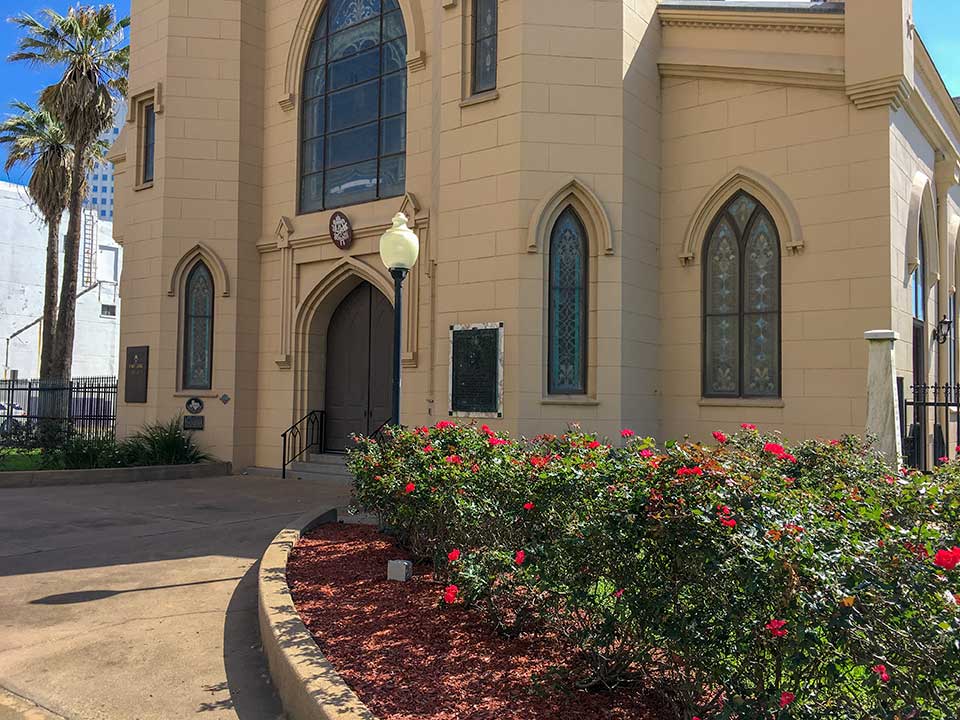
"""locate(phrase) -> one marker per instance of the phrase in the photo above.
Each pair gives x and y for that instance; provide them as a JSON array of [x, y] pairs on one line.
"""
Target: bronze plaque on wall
[[135, 374], [476, 370]]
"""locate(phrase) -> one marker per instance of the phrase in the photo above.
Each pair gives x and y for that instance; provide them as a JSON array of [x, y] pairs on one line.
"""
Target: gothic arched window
[[567, 333], [741, 302], [353, 116], [198, 329]]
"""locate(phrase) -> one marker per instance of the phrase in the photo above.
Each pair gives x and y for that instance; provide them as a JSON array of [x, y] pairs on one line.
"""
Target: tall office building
[[100, 177]]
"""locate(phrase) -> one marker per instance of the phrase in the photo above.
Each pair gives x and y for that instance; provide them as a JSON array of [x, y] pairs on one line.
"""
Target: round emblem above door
[[341, 232]]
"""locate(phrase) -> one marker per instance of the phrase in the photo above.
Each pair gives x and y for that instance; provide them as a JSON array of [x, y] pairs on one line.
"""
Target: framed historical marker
[[476, 370], [193, 422], [136, 370]]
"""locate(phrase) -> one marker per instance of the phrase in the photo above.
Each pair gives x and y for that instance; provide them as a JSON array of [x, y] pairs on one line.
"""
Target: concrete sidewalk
[[139, 601]]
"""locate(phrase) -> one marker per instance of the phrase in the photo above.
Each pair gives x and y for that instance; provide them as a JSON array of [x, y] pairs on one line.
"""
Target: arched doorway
[[359, 349]]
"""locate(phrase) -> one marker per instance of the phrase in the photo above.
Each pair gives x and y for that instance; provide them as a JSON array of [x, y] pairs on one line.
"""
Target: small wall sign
[[194, 406], [136, 370], [193, 422], [341, 231]]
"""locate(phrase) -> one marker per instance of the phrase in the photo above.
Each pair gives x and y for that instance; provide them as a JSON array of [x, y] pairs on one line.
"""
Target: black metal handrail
[[308, 432]]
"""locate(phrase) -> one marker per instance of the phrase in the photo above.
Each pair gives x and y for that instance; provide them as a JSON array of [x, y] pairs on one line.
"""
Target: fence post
[[883, 410]]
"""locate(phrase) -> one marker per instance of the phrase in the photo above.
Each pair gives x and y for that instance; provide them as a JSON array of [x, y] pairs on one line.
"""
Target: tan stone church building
[[674, 216]]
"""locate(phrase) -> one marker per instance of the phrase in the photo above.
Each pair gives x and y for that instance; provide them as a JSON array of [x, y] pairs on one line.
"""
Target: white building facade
[[23, 241], [100, 176]]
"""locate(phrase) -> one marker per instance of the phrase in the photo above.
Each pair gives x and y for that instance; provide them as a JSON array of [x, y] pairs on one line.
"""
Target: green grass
[[21, 460]]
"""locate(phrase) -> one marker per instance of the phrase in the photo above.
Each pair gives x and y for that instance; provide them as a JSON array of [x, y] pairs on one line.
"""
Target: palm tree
[[35, 138], [90, 44]]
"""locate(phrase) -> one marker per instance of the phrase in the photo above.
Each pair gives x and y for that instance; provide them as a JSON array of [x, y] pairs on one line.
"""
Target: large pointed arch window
[[353, 117], [198, 329], [567, 332], [741, 303]]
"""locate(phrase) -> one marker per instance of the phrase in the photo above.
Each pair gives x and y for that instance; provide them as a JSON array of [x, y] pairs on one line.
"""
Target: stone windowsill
[[742, 402], [479, 98]]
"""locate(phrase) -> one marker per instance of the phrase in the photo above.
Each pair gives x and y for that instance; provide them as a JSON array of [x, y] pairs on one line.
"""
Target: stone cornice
[[717, 19], [933, 81], [892, 91], [783, 69]]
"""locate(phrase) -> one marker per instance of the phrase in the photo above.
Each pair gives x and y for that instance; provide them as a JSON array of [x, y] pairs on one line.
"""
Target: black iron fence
[[37, 412], [931, 423]]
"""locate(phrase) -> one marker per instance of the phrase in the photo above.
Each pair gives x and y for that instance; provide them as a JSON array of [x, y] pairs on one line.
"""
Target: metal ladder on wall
[[89, 249]]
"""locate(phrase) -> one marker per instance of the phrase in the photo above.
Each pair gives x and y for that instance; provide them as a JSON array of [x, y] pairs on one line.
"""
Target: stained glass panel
[[742, 209], [723, 362], [198, 328], [723, 271], [741, 286], [353, 123], [762, 268], [761, 355], [568, 306]]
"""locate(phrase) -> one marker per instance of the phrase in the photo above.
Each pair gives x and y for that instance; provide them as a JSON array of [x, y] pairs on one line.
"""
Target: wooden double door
[[358, 366]]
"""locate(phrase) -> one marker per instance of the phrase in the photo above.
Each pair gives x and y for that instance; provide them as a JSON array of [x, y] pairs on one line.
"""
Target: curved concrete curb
[[309, 686]]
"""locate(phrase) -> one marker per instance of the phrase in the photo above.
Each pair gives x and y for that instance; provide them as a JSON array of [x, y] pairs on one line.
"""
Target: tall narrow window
[[149, 141], [484, 45], [741, 302], [567, 335], [353, 125], [918, 283], [198, 329]]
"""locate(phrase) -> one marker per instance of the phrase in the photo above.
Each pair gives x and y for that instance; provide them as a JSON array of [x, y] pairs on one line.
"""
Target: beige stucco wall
[[830, 160]]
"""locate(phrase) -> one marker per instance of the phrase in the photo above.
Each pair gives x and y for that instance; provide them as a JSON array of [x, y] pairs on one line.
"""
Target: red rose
[[409, 488], [494, 441], [719, 437], [539, 462], [519, 557], [528, 506], [881, 670], [453, 555], [685, 471], [593, 444], [627, 433], [787, 698], [774, 449], [486, 430], [776, 628], [428, 448], [748, 426], [454, 459], [646, 453], [444, 424], [947, 559], [728, 522], [450, 594]]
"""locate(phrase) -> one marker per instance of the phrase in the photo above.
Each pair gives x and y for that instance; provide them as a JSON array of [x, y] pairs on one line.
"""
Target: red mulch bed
[[408, 658]]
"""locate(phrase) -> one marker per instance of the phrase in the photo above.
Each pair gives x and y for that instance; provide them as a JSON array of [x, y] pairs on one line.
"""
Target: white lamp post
[[399, 250]]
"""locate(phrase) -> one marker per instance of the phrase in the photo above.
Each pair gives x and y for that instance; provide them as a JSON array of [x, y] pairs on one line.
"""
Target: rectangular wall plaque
[[135, 374], [476, 370], [193, 422]]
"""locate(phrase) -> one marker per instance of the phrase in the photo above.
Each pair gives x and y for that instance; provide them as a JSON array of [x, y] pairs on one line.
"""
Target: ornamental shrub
[[744, 579]]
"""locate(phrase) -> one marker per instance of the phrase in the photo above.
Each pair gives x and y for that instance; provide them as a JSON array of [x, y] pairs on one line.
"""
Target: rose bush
[[745, 579]]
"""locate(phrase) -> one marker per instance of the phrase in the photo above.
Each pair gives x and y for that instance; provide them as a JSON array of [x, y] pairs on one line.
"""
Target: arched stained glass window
[[198, 329], [353, 122], [741, 302], [567, 334]]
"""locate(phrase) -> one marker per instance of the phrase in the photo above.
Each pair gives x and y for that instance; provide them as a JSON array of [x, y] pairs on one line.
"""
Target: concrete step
[[304, 471], [322, 469], [334, 459]]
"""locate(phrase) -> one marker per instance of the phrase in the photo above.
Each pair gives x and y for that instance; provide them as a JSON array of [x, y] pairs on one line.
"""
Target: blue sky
[[938, 21]]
